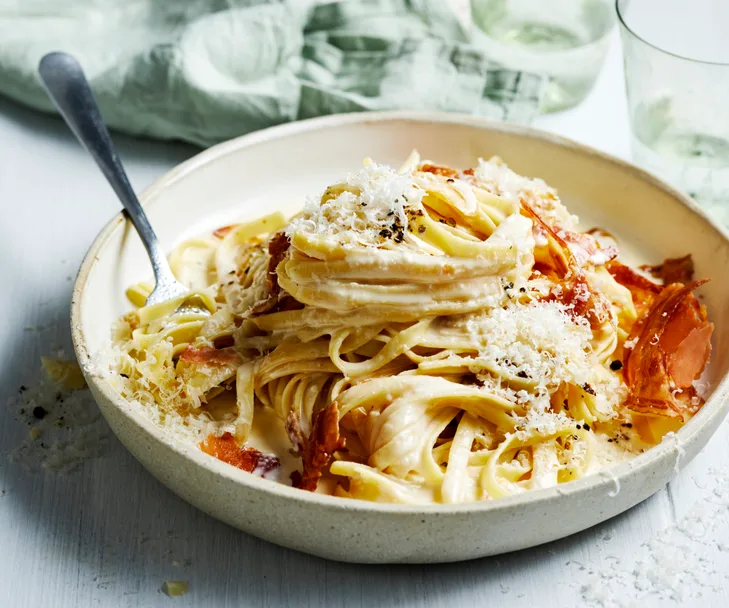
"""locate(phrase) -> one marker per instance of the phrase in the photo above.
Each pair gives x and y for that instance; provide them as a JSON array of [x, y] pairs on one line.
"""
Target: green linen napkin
[[207, 70]]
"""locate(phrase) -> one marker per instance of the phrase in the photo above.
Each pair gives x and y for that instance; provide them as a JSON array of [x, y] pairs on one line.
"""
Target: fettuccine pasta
[[417, 335]]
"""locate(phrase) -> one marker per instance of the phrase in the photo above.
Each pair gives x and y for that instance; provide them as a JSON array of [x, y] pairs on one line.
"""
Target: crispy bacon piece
[[565, 250], [438, 170], [673, 270], [588, 248], [209, 355], [319, 448], [558, 258], [277, 248], [672, 347], [222, 231], [581, 301], [226, 448], [557, 255], [629, 278], [672, 336]]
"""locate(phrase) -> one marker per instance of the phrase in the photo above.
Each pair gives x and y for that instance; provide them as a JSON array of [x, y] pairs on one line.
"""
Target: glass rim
[[632, 32]]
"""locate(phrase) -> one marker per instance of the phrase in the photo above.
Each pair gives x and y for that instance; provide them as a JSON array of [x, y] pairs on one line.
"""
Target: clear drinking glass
[[677, 78], [566, 40]]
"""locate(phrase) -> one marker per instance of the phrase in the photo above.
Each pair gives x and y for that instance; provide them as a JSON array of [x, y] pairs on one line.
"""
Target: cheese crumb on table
[[66, 426], [175, 588]]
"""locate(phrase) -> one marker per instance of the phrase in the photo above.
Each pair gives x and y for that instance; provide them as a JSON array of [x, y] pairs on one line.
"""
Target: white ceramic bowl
[[252, 175]]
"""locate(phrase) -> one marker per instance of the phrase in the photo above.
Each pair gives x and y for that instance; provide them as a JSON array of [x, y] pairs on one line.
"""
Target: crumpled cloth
[[204, 71]]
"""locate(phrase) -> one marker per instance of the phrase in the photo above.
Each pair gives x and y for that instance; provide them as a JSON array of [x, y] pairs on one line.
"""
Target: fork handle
[[70, 92]]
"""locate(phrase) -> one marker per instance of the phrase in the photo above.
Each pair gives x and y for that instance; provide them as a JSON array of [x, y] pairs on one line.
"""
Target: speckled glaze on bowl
[[252, 175]]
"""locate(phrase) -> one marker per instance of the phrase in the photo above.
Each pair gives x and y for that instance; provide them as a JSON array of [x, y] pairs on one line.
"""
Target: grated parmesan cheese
[[629, 344], [679, 566], [599, 258], [543, 344], [192, 427], [539, 340], [373, 200], [67, 426]]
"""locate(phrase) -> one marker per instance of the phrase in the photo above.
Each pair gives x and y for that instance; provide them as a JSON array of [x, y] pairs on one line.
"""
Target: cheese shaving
[[540, 341], [375, 199]]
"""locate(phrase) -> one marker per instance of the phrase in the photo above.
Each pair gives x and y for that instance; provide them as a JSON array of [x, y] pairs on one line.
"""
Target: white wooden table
[[108, 534]]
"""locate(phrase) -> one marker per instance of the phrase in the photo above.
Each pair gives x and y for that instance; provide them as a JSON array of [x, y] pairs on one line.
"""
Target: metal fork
[[70, 92]]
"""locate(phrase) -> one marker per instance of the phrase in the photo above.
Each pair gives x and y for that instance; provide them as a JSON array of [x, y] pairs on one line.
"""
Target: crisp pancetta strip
[[672, 347], [207, 355], [673, 270], [319, 448], [226, 448]]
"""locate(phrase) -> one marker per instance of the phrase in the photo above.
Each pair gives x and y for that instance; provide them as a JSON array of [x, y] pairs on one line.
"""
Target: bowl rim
[[715, 407]]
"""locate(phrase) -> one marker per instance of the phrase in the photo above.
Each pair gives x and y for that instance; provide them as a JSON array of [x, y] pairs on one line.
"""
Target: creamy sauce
[[608, 454], [268, 435]]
